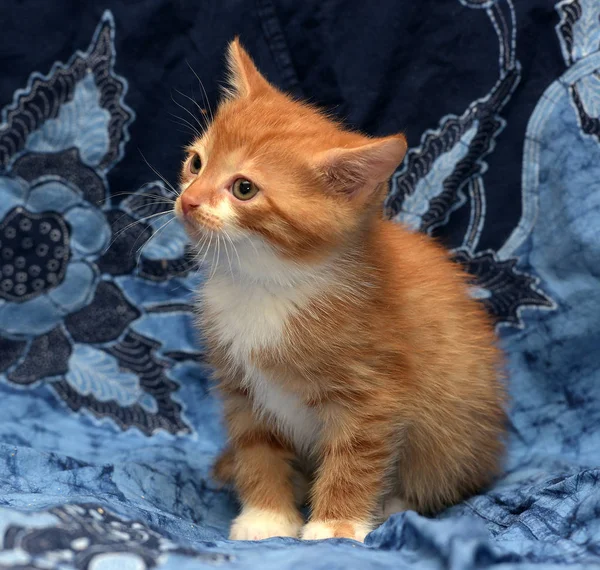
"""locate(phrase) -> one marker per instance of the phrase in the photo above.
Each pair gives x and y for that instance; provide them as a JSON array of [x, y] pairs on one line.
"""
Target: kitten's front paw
[[318, 530], [258, 524]]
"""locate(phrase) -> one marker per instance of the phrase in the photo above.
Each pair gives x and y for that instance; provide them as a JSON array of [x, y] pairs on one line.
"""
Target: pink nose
[[188, 203]]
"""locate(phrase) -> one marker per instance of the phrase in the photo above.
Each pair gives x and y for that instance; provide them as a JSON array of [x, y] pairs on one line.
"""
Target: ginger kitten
[[345, 347]]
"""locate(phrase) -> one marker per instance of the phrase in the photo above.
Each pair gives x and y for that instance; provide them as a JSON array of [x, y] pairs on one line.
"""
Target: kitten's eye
[[244, 189], [195, 164]]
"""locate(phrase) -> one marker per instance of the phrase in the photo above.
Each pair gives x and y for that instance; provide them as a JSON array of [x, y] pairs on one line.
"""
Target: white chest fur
[[249, 316], [285, 411]]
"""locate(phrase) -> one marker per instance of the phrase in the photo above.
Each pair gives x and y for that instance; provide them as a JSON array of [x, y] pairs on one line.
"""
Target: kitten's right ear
[[359, 169], [244, 78]]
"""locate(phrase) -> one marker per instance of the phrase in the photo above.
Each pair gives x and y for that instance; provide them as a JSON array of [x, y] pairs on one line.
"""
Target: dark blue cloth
[[107, 427]]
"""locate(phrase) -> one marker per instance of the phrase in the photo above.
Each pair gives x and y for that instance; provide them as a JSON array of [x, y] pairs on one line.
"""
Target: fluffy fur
[[345, 347]]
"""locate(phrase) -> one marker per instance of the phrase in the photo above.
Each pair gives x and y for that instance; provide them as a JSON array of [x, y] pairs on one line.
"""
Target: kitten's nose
[[188, 203]]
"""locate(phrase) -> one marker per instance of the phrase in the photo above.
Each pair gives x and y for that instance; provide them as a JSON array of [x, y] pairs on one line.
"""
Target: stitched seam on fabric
[[275, 38]]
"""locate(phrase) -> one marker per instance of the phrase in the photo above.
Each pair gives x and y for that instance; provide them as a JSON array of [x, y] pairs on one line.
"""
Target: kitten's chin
[[193, 228], [196, 233]]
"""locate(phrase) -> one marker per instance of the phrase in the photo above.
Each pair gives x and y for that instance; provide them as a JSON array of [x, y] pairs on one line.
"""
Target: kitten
[[345, 347]]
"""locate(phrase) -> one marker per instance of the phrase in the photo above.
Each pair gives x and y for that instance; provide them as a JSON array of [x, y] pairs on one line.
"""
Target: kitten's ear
[[244, 78], [362, 168]]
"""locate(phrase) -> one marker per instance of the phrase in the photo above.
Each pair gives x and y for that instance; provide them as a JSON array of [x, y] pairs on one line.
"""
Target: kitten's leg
[[262, 474], [224, 467], [351, 480]]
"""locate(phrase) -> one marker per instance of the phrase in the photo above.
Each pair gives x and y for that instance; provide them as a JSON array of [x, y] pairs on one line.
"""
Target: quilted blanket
[[107, 424]]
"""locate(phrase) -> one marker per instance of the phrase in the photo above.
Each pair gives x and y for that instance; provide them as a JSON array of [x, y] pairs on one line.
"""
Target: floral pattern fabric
[[64, 316], [107, 424]]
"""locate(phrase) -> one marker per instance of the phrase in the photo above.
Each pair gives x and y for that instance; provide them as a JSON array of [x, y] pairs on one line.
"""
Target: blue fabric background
[[107, 426]]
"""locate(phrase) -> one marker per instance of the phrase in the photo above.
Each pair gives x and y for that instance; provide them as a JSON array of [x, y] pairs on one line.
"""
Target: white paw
[[394, 505], [258, 524], [319, 530]]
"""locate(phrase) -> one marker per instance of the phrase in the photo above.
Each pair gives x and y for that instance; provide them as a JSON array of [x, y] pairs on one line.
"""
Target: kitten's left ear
[[244, 77], [349, 171]]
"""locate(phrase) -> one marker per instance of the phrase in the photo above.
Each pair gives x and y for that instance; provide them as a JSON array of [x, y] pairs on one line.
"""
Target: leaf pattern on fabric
[[446, 172], [63, 316]]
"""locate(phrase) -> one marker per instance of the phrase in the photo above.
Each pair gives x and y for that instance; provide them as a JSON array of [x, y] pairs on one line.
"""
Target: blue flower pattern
[[63, 245], [104, 391], [446, 173]]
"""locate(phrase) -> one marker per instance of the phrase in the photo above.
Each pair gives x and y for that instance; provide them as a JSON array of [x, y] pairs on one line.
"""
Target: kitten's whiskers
[[154, 235], [185, 122], [233, 247], [169, 185], [142, 194], [215, 259], [202, 127], [202, 111], [203, 90], [228, 260], [120, 232]]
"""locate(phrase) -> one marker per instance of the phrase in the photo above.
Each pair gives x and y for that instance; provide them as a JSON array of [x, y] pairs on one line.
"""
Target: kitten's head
[[280, 174]]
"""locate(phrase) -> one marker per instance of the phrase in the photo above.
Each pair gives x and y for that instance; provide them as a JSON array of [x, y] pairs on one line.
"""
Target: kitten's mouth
[[199, 220]]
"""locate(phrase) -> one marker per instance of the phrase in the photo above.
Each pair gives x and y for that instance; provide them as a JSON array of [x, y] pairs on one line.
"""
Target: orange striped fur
[[347, 349]]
